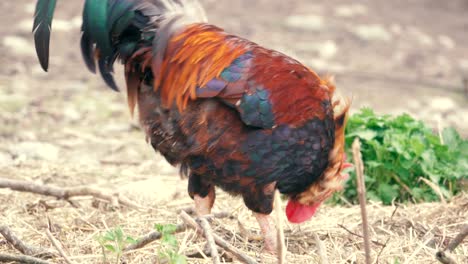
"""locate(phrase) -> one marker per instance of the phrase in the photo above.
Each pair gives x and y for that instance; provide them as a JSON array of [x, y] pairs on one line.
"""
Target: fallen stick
[[361, 186], [155, 235], [444, 256], [280, 230], [23, 247], [66, 193], [361, 236], [151, 237], [22, 259], [219, 241], [208, 233], [57, 246]]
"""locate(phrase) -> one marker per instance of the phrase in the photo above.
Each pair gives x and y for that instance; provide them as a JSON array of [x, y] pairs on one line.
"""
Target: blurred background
[[394, 56]]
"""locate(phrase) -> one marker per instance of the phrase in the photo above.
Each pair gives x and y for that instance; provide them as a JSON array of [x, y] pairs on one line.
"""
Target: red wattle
[[298, 213]]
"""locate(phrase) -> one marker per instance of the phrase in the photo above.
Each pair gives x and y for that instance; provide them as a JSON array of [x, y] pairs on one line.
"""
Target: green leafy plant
[[114, 241], [398, 152], [169, 249]]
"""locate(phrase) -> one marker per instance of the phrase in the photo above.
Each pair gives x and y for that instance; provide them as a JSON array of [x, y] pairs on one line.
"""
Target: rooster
[[229, 112]]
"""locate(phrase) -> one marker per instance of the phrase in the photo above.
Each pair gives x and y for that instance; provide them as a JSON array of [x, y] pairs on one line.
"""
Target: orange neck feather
[[193, 58]]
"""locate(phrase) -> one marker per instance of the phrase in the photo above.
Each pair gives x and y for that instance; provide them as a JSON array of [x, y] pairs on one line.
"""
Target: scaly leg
[[202, 193], [203, 205], [268, 229]]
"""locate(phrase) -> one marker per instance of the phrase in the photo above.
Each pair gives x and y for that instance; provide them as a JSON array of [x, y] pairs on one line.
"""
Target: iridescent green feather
[[42, 27], [95, 17]]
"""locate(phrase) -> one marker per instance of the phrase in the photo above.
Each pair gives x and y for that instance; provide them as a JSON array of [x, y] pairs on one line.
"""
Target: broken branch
[[57, 246], [23, 247], [151, 237], [444, 256], [155, 235], [359, 165], [361, 236], [219, 241], [65, 193], [22, 259], [208, 233]]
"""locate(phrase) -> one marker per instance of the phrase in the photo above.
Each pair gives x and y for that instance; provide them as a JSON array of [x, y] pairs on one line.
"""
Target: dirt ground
[[66, 128]]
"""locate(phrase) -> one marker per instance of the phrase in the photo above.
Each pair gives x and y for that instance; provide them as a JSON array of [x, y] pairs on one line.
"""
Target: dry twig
[[66, 193], [155, 235], [151, 237], [208, 233], [280, 230], [388, 239], [359, 165], [444, 256], [359, 235], [322, 251], [22, 259], [219, 241], [436, 189], [57, 246], [23, 247]]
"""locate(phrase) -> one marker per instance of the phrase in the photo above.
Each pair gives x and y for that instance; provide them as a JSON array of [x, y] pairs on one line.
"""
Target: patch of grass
[[114, 241], [398, 151], [169, 249]]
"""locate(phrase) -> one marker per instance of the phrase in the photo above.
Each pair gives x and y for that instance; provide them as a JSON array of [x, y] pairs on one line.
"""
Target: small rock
[[66, 25], [463, 63], [372, 32], [305, 22], [348, 11], [35, 150], [447, 42], [25, 25], [30, 7], [421, 37], [396, 29], [414, 104], [19, 45], [157, 189], [326, 50], [116, 128], [72, 114], [13, 102], [5, 160], [442, 104]]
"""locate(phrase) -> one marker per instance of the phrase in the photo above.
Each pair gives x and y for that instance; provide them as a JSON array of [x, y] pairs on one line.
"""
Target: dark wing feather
[[42, 28], [87, 51]]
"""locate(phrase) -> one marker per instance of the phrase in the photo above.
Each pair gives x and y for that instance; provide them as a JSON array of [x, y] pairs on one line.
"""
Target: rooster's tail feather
[[117, 28]]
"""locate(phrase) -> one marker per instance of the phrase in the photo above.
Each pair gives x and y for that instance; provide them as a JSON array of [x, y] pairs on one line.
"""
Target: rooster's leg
[[203, 205], [260, 200], [268, 229], [202, 193]]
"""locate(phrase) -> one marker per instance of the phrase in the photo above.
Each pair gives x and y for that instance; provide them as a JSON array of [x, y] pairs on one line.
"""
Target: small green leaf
[[109, 236], [131, 240], [110, 247], [179, 259], [119, 234], [159, 227]]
